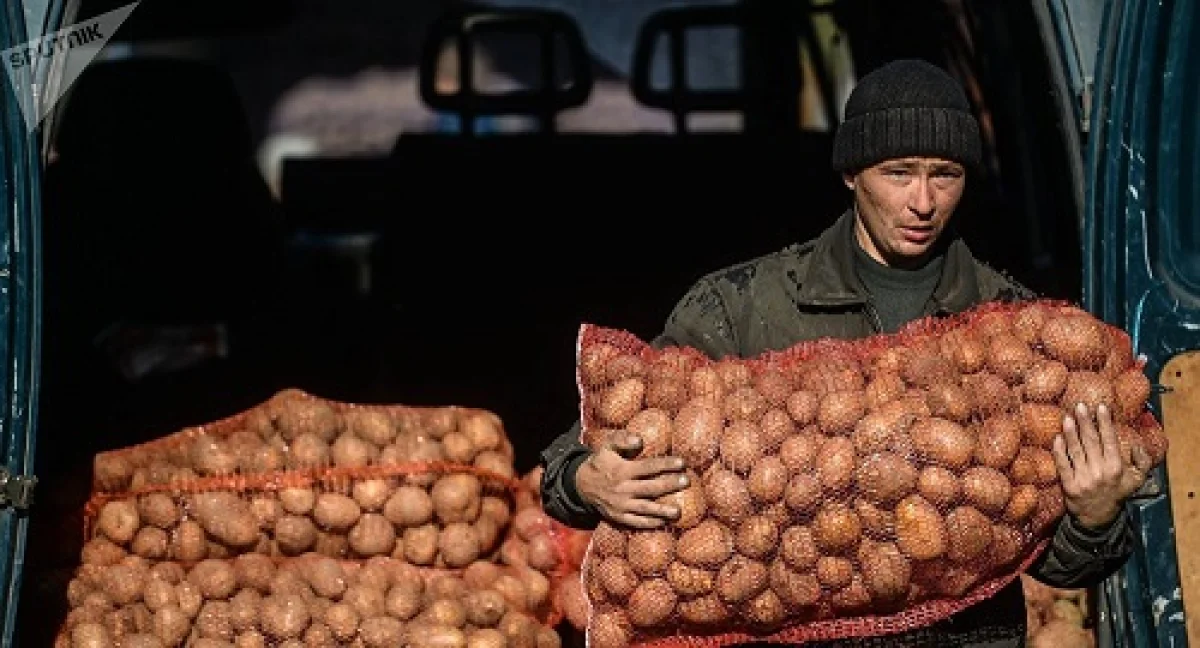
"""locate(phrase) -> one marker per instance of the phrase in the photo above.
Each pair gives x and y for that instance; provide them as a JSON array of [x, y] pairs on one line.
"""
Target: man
[[905, 149]]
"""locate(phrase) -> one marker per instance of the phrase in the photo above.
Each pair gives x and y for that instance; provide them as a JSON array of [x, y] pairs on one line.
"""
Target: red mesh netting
[[551, 547], [845, 488]]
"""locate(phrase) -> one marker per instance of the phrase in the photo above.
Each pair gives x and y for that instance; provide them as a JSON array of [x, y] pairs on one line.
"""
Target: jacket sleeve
[[1078, 557], [700, 320]]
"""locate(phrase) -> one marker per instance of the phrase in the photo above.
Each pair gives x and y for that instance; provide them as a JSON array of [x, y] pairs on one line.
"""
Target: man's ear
[[849, 178]]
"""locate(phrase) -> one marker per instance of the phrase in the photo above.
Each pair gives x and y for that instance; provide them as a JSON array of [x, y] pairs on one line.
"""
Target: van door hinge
[[16, 491]]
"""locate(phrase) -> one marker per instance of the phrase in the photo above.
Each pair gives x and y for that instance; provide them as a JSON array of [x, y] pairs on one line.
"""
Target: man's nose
[[922, 200]]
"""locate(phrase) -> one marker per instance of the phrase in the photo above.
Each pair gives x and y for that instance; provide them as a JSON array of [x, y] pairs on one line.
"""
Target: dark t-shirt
[[898, 295]]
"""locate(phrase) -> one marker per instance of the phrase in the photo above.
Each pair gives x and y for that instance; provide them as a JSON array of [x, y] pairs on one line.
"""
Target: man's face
[[903, 205]]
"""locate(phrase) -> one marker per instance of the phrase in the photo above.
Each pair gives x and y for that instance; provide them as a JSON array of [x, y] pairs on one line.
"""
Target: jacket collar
[[831, 281]]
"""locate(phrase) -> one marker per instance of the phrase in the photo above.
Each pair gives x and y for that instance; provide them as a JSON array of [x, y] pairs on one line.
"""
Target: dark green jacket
[[810, 291]]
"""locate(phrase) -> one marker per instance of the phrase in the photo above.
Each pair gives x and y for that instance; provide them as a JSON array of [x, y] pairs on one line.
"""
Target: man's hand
[[624, 489], [1096, 480]]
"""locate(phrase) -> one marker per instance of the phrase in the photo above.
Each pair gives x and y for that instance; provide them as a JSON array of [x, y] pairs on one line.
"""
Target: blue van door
[[1141, 251], [20, 293]]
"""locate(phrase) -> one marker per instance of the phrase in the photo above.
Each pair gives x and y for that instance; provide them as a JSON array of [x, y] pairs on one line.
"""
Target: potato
[[620, 402], [836, 528], [409, 506], [150, 542], [611, 629], [458, 545], [987, 489], [920, 529], [158, 509], [456, 497], [447, 612], [968, 534], [727, 495], [652, 602], [384, 632], [215, 579], [172, 625], [349, 450], [885, 478], [708, 544], [372, 535], [227, 517], [295, 535], [243, 610], [374, 427], [836, 464], [757, 537], [419, 545], [403, 600], [119, 521], [942, 442], [697, 433], [741, 446], [335, 512], [886, 573], [485, 430], [839, 411]]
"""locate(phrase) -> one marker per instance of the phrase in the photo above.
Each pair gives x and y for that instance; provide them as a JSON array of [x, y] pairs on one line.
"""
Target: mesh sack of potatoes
[[845, 488], [1057, 618], [436, 515], [294, 430], [253, 601], [543, 543], [539, 541]]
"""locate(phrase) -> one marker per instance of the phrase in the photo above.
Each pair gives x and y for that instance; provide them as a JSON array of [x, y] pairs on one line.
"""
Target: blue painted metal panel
[[20, 309], [1077, 25], [1137, 202]]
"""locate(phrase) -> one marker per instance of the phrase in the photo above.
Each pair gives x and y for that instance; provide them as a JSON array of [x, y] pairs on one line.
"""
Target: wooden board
[[1180, 413]]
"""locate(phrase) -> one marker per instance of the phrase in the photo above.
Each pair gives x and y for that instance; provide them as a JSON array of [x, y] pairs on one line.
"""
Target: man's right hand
[[624, 489]]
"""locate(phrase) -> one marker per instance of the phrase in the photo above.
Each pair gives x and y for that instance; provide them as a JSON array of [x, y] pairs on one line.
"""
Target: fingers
[[656, 487], [649, 508], [626, 445], [1088, 437], [644, 468], [1142, 460], [634, 521], [1072, 446], [1110, 443], [1065, 471], [641, 513], [1135, 475]]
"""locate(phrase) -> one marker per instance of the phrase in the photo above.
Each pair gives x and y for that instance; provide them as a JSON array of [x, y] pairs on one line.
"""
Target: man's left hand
[[1096, 480]]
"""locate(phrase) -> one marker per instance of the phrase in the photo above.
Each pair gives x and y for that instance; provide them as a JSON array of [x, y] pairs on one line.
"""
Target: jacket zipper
[[876, 323]]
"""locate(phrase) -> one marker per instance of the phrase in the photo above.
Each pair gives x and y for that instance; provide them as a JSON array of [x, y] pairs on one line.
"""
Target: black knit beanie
[[906, 108]]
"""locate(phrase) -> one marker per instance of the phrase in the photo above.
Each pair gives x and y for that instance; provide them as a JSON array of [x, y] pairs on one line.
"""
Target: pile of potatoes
[[1056, 618], [303, 523], [439, 520], [309, 601], [845, 479], [538, 541], [298, 432]]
